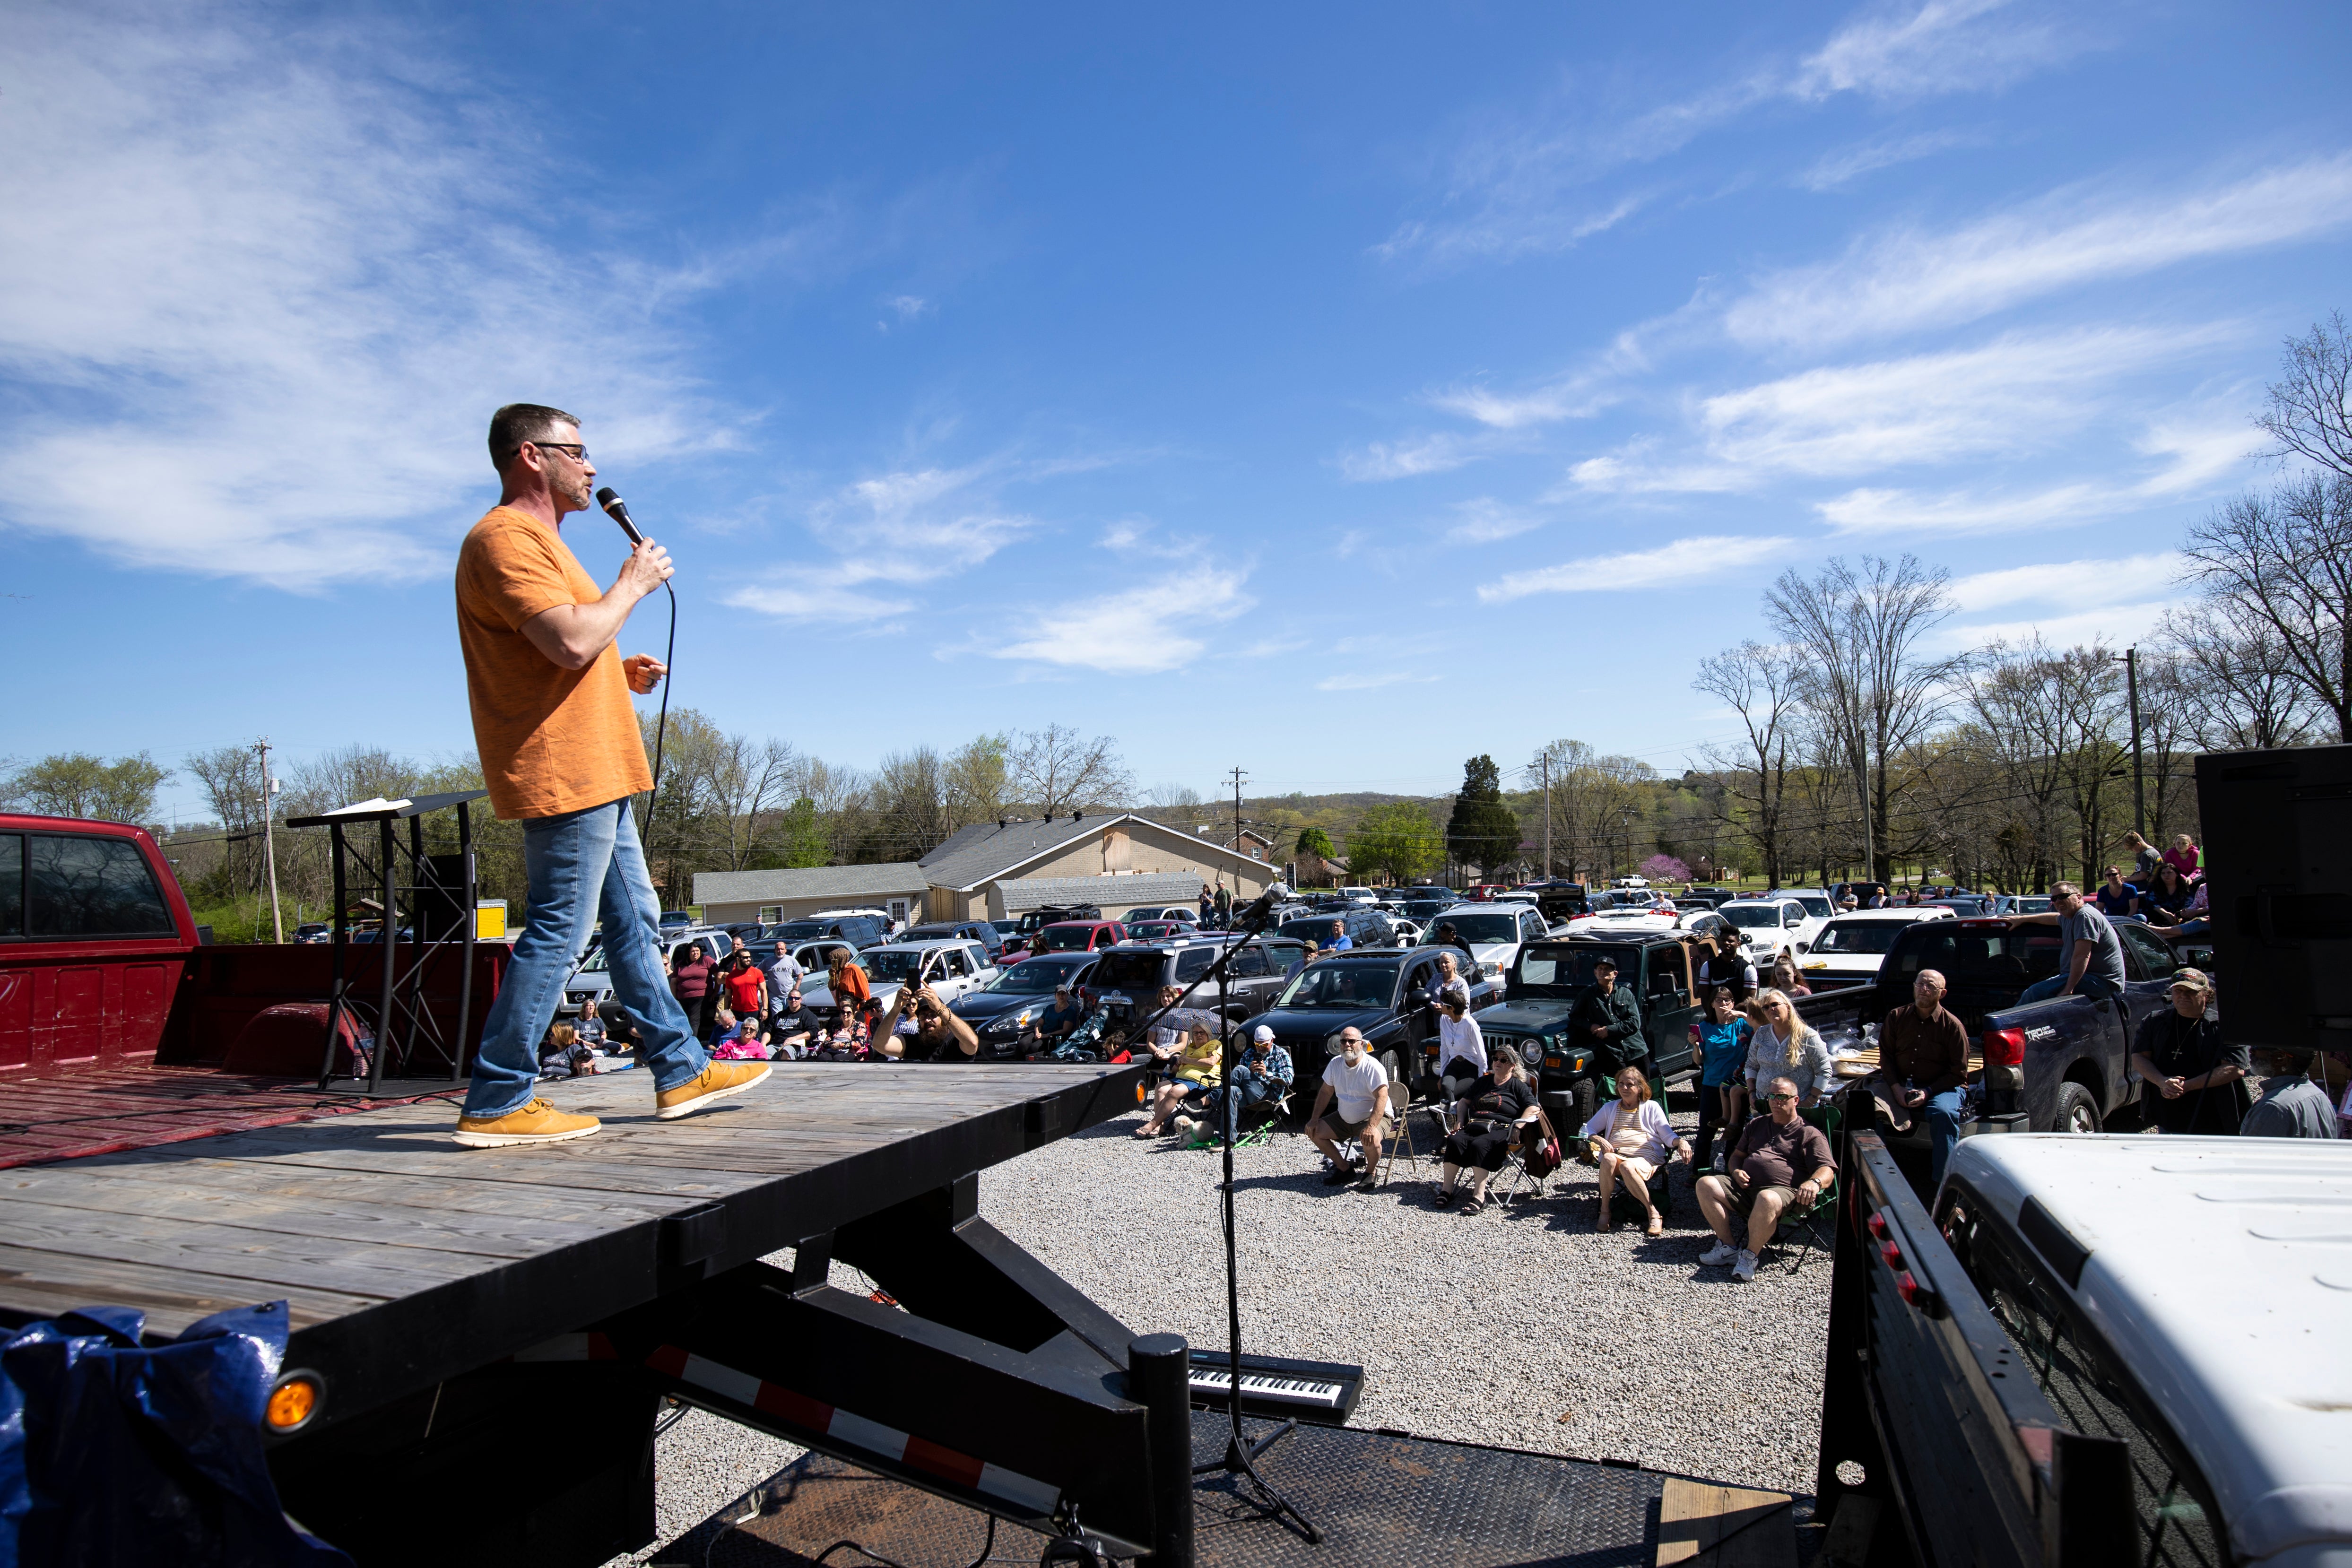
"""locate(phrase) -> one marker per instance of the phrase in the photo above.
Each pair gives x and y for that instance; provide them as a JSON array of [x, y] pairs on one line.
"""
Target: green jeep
[[1542, 988]]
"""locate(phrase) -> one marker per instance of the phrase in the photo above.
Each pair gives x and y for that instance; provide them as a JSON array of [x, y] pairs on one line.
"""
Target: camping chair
[[1515, 1177], [1812, 1221], [1621, 1206]]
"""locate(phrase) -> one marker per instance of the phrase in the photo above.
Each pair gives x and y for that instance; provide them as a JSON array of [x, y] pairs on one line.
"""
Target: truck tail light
[[1892, 1256], [1915, 1293], [2004, 1046], [1878, 1226]]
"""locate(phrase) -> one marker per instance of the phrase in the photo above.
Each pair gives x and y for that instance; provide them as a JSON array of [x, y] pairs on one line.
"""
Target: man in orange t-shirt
[[560, 750]]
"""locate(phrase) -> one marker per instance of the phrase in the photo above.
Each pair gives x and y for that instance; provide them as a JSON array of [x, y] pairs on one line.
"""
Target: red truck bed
[[111, 1109]]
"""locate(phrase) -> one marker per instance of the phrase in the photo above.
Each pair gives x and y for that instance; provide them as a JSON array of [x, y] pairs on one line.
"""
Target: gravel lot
[[1521, 1328]]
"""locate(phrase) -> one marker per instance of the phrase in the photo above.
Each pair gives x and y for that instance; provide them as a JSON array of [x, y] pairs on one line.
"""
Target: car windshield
[[1333, 984], [1861, 936], [1568, 966], [889, 963], [1065, 938], [1151, 928], [1754, 917], [2033, 905], [1035, 976], [1314, 928], [1965, 952], [1134, 969], [1477, 929], [795, 930]]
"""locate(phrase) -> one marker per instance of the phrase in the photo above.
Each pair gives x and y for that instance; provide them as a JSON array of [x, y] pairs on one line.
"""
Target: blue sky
[[1332, 390]]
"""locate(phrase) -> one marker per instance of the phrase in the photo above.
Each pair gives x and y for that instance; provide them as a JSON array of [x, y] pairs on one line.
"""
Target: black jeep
[[1544, 985]]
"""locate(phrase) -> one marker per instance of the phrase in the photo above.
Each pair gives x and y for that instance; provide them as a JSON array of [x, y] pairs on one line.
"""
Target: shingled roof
[[981, 853], [808, 881]]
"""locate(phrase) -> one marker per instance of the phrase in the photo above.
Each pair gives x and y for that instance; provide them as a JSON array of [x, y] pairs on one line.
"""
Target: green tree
[[1484, 830], [1317, 842], [77, 784], [1399, 838]]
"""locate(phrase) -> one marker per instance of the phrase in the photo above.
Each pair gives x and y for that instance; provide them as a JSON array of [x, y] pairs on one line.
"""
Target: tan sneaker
[[716, 1082], [535, 1122]]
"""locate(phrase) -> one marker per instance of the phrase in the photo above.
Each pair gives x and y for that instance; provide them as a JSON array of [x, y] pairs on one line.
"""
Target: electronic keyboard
[[1321, 1392]]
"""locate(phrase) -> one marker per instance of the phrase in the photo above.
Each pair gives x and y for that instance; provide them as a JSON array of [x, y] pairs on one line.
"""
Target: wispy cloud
[[1141, 630], [2082, 584], [237, 243], [1910, 278], [904, 310], [1416, 456], [1848, 164], [1904, 51], [1485, 520], [906, 527], [1684, 560], [1514, 184]]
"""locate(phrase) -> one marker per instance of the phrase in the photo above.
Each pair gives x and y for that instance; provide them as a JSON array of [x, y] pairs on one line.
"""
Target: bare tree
[[2229, 679], [1760, 683], [1858, 635], [2284, 563], [1056, 770], [2310, 411]]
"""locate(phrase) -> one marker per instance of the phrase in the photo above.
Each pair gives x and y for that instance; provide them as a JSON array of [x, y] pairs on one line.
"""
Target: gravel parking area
[[1518, 1327]]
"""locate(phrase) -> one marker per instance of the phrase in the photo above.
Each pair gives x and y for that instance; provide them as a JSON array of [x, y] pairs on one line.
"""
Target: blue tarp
[[114, 1454]]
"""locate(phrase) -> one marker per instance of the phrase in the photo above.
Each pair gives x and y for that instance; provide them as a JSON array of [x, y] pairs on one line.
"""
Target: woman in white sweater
[[1631, 1137]]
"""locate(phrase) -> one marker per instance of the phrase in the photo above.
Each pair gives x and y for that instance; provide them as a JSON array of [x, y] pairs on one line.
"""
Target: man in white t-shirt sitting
[[1360, 1086]]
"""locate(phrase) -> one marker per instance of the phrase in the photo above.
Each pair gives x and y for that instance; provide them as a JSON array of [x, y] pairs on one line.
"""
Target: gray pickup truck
[[2072, 1055]]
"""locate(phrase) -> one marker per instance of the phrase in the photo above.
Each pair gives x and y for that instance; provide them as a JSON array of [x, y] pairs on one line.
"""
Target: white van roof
[[2220, 1272]]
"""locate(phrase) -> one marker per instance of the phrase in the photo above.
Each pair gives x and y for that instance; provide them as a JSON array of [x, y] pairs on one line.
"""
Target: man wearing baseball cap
[[2196, 1080], [1263, 1073]]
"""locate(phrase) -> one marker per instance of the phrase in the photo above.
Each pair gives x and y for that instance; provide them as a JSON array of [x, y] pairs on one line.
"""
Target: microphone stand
[[1241, 1454]]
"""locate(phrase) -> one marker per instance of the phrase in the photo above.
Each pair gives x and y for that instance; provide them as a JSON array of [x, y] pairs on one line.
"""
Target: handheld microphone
[[618, 511]]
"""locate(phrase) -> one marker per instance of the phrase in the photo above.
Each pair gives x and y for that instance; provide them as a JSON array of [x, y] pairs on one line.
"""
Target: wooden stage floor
[[406, 1260]]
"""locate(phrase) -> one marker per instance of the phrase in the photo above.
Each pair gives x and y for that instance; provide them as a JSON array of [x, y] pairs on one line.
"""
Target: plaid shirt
[[1270, 1063]]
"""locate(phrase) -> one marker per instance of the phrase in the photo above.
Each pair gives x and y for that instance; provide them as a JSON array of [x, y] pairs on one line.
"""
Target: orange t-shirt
[[551, 740]]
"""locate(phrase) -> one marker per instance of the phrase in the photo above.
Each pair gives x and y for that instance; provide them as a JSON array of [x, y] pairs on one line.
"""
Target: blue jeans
[[1248, 1088], [2098, 987], [580, 866], [1943, 1132]]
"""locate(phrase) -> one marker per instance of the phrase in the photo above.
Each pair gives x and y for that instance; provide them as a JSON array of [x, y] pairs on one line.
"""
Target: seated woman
[[1461, 1050], [1631, 1137], [738, 1040], [1197, 1066], [2194, 919], [1786, 1046], [1496, 1104]]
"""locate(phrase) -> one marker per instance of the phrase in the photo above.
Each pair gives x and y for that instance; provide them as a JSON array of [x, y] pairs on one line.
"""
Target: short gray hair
[[2065, 890]]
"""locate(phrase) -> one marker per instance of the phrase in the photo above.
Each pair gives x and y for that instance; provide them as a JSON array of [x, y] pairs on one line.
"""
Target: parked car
[[980, 931], [1403, 931], [857, 930], [1160, 930], [1001, 1008], [1547, 980], [1850, 948], [1024, 930], [1774, 926], [891, 924], [1179, 914], [591, 984], [1818, 903], [1364, 895], [1713, 897], [1365, 928], [314, 931], [1631, 882], [670, 917], [1384, 993], [1078, 936], [1494, 934], [1128, 979], [951, 966]]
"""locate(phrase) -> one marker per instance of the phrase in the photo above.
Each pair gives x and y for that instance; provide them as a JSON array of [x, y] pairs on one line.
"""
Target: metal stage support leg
[[338, 1004], [388, 844], [999, 1385], [472, 917]]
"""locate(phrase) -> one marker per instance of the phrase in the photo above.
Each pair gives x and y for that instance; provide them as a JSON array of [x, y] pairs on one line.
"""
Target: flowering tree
[[1665, 868]]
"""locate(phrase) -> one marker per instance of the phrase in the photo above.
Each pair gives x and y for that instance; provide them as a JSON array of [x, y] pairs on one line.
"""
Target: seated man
[[1923, 1063], [1360, 1086], [1262, 1073], [2090, 953], [919, 1027], [1780, 1159], [2197, 1076], [1496, 1107], [795, 1025], [2292, 1105], [1338, 941]]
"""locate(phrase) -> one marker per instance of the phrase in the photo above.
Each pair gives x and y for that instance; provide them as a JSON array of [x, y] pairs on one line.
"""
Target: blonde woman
[[1786, 1046], [1631, 1137], [1199, 1064]]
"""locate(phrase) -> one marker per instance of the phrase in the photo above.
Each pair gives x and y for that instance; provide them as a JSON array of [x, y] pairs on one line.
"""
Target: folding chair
[[1398, 1133], [1813, 1221], [1514, 1174]]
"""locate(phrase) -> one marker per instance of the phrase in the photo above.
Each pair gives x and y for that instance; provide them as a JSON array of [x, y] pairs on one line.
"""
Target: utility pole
[[2139, 786], [1238, 775], [1546, 767], [268, 844]]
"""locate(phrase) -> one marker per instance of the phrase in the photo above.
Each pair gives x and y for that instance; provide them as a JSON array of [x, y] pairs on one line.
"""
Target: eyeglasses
[[572, 449], [1779, 1097]]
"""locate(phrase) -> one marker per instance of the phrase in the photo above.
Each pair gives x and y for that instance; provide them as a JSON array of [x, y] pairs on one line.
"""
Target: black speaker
[[444, 897], [2278, 857]]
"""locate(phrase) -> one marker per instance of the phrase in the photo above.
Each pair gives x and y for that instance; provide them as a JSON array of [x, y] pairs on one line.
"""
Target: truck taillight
[[1892, 1256], [1878, 1226], [2004, 1046], [1917, 1294]]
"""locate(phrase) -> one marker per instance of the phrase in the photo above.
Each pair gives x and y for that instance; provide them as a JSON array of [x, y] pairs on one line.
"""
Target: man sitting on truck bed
[[560, 750], [2094, 964], [1765, 1176], [1923, 1061]]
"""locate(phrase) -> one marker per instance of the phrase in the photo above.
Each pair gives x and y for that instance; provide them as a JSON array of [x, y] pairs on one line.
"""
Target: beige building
[[973, 874], [768, 896]]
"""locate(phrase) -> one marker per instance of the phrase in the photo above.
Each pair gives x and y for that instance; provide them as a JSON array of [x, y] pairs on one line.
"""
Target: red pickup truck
[[118, 1029]]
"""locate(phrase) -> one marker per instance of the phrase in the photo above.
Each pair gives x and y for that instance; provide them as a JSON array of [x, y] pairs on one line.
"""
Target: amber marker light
[[293, 1400]]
